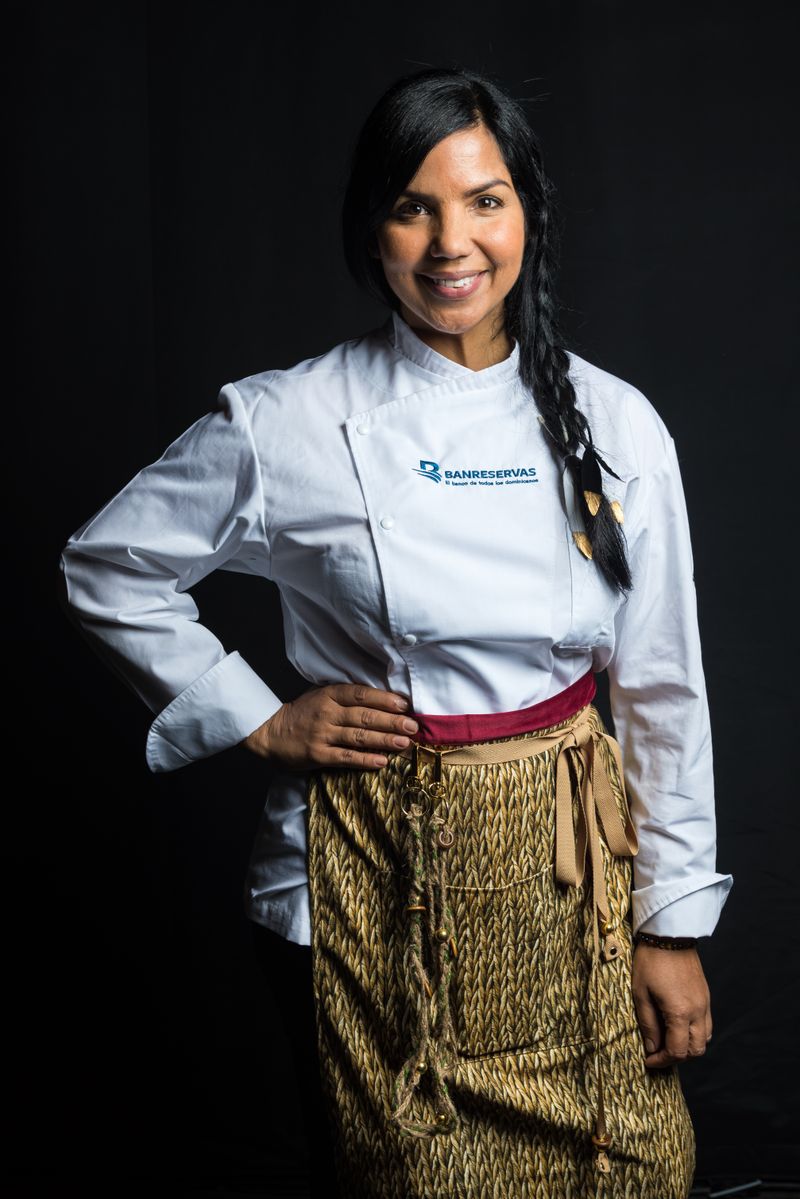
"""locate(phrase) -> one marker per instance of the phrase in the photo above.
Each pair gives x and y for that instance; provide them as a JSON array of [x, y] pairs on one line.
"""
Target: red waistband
[[485, 726]]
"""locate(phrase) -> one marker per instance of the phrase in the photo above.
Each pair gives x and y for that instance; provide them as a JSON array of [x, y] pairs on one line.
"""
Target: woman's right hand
[[341, 724]]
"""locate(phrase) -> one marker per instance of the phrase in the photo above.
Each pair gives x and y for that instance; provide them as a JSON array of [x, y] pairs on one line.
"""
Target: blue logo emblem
[[430, 470]]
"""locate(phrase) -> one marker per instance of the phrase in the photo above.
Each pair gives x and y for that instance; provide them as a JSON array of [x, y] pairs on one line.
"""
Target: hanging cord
[[428, 837], [601, 1137]]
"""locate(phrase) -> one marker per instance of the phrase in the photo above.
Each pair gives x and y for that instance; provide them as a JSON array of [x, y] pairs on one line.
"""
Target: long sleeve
[[661, 716], [127, 571]]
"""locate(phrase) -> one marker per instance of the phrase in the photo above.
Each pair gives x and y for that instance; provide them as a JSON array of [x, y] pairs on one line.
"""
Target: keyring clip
[[416, 808]]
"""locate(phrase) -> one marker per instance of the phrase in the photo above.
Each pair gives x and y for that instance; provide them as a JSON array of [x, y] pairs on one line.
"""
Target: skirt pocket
[[521, 975], [522, 972]]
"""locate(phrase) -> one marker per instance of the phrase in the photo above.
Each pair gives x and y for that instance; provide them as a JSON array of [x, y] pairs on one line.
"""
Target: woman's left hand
[[673, 1004]]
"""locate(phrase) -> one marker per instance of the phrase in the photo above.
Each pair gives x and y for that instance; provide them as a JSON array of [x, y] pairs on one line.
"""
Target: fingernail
[[649, 1045], [402, 704], [410, 726]]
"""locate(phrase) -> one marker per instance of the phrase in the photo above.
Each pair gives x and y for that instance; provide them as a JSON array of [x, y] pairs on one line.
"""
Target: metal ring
[[420, 805]]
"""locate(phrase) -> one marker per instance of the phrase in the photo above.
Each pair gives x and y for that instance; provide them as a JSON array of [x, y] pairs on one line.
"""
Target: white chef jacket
[[419, 529]]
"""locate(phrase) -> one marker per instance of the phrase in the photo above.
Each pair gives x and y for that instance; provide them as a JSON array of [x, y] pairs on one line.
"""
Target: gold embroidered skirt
[[471, 955]]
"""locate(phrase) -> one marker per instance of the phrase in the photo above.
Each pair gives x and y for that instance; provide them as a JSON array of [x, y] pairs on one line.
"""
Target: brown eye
[[403, 210]]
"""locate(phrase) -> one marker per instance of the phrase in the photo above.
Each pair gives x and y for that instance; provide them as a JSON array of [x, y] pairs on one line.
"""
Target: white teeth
[[457, 282]]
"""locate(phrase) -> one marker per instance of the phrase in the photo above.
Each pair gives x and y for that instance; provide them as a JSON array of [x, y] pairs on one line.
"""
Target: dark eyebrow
[[472, 192]]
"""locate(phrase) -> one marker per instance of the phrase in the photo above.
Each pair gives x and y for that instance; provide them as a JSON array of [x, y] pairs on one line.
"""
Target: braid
[[556, 395], [544, 368]]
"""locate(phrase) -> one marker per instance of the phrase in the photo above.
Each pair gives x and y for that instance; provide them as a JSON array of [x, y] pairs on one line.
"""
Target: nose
[[451, 237]]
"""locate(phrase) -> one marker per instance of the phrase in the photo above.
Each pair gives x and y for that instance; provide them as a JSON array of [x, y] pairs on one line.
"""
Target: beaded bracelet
[[664, 942]]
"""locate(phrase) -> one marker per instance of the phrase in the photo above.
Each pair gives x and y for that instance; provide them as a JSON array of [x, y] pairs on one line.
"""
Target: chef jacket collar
[[406, 342]]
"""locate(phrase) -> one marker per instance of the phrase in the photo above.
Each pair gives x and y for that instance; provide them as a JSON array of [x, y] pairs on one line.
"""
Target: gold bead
[[442, 1117], [593, 501], [442, 934], [583, 543]]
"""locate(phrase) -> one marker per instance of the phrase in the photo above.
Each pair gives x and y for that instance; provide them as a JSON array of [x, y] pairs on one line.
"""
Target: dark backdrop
[[177, 171]]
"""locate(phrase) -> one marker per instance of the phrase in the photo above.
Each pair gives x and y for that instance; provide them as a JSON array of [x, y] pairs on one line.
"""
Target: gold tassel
[[619, 515], [583, 543], [593, 501]]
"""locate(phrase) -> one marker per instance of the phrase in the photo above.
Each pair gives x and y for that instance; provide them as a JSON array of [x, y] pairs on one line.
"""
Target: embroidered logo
[[476, 477], [429, 470]]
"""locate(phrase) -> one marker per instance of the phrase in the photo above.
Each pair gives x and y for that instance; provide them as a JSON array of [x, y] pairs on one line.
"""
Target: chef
[[427, 543]]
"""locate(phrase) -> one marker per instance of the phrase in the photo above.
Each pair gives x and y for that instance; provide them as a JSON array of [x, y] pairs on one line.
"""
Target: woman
[[465, 522]]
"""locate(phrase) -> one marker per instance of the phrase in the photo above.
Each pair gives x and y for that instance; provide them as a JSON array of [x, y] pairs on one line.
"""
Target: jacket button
[[362, 428], [387, 522], [408, 639]]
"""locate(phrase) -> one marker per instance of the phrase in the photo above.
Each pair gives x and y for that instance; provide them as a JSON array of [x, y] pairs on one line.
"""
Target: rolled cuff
[[218, 710], [687, 908]]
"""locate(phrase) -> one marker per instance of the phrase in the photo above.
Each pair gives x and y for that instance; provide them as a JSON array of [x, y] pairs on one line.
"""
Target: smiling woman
[[464, 857]]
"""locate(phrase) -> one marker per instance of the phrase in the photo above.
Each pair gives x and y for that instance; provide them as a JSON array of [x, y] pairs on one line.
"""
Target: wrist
[[664, 942], [259, 741]]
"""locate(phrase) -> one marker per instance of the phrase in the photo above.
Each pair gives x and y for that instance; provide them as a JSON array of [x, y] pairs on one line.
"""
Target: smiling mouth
[[454, 283]]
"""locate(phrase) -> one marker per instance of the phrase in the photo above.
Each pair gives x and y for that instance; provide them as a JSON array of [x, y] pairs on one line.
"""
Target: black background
[[177, 171]]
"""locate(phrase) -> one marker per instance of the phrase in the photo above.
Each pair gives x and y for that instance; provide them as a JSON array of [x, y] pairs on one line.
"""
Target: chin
[[444, 322], [458, 322]]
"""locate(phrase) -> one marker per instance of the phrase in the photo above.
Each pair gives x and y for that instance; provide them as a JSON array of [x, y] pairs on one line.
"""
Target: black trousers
[[287, 966]]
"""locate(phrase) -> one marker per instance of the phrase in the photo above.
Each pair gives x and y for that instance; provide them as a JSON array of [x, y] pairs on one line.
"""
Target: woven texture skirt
[[471, 957]]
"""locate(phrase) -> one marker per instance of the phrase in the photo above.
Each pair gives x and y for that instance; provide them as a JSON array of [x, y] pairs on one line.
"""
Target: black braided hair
[[408, 120]]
